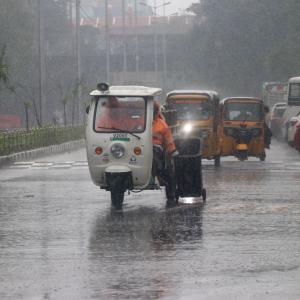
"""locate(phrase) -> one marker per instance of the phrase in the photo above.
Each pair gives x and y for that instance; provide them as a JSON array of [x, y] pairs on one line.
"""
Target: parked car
[[292, 127], [276, 118]]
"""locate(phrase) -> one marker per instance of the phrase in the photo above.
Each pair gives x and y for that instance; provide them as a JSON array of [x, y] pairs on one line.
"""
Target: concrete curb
[[39, 152]]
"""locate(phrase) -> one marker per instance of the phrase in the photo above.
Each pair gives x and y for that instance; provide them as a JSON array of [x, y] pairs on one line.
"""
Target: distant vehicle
[[292, 128], [293, 105], [276, 118], [198, 116], [243, 128], [274, 92], [10, 122]]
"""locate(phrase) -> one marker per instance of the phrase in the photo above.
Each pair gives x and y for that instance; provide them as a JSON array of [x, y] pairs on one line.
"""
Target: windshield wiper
[[120, 130]]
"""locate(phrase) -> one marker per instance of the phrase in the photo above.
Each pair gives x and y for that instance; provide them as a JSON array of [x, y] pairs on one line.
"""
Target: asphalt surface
[[59, 238]]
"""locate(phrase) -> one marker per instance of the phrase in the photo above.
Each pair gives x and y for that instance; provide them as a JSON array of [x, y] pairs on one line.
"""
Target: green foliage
[[238, 44], [22, 140]]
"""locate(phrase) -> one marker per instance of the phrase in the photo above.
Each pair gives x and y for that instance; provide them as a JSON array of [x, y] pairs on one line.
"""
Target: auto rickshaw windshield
[[237, 111], [113, 114], [192, 109]]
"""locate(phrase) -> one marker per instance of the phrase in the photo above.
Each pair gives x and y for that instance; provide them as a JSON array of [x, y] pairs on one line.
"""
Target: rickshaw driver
[[162, 140], [112, 117]]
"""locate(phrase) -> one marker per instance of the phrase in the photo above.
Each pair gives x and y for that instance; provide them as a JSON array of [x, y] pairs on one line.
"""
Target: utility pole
[[78, 60], [155, 43], [124, 41], [137, 58], [164, 48], [41, 73], [107, 40]]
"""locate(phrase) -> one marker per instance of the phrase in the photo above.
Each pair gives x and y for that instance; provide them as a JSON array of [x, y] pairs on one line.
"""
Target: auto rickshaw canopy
[[128, 90]]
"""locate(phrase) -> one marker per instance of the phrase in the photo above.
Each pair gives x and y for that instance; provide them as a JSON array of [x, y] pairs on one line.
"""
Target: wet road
[[59, 238]]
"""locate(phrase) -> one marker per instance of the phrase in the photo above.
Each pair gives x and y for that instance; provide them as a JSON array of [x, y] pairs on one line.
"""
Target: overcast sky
[[175, 5]]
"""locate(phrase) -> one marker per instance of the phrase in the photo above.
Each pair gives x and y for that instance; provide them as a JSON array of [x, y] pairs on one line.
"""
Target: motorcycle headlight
[[187, 128], [117, 150]]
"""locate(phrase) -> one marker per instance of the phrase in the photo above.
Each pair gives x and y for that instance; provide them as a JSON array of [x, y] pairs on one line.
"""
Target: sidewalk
[[39, 152]]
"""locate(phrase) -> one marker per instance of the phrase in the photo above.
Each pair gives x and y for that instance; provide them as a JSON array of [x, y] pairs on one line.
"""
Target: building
[[96, 8]]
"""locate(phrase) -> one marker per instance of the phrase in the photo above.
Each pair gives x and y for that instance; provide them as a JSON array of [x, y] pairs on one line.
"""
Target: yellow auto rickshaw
[[242, 127], [198, 116]]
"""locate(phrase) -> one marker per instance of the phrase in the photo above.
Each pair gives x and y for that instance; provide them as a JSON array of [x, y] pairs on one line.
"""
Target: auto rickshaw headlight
[[187, 128], [117, 150]]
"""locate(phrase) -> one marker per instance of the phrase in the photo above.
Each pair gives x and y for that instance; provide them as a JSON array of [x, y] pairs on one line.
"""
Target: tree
[[3, 67], [238, 44]]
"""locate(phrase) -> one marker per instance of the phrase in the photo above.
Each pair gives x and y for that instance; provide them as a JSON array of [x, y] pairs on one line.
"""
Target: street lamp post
[[107, 42], [155, 44], [78, 60], [164, 50], [137, 58], [124, 41], [41, 62], [155, 7]]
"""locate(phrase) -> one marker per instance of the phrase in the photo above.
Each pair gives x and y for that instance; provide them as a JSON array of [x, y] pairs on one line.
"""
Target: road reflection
[[136, 250]]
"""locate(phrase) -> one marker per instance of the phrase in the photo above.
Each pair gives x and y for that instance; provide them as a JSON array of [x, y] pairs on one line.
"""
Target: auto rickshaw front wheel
[[262, 157], [204, 195], [242, 155], [117, 199], [217, 159]]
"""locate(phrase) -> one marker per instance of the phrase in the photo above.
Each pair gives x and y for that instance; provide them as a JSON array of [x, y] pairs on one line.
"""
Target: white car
[[292, 128], [276, 118]]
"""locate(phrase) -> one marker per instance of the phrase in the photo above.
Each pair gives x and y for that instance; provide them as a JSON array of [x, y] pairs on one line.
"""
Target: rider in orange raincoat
[[163, 140], [161, 133]]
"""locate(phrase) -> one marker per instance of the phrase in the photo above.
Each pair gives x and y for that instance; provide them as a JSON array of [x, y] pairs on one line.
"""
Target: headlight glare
[[187, 128]]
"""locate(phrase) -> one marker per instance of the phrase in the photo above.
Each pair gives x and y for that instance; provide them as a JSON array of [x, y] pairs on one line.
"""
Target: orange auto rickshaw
[[242, 127], [198, 116]]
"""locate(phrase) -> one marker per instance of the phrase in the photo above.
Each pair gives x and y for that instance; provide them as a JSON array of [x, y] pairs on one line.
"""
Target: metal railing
[[21, 140]]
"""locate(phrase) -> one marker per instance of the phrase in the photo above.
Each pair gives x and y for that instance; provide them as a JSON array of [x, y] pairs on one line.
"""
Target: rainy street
[[59, 238]]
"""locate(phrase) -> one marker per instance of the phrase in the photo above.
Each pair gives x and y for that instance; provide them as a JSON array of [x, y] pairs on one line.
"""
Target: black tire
[[117, 199], [217, 160], [242, 155], [262, 157], [204, 195]]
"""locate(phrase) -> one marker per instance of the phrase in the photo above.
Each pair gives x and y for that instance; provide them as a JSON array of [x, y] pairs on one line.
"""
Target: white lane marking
[[207, 165]]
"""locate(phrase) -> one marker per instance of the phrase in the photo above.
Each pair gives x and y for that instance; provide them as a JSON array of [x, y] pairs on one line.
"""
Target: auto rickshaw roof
[[128, 90], [294, 80], [192, 92], [233, 99]]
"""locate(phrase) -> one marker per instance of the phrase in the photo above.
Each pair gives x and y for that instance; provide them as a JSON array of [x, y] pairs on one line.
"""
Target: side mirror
[[87, 109], [293, 121]]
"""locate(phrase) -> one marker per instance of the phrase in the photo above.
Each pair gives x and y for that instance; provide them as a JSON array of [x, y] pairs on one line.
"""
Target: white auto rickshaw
[[120, 153], [119, 140]]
